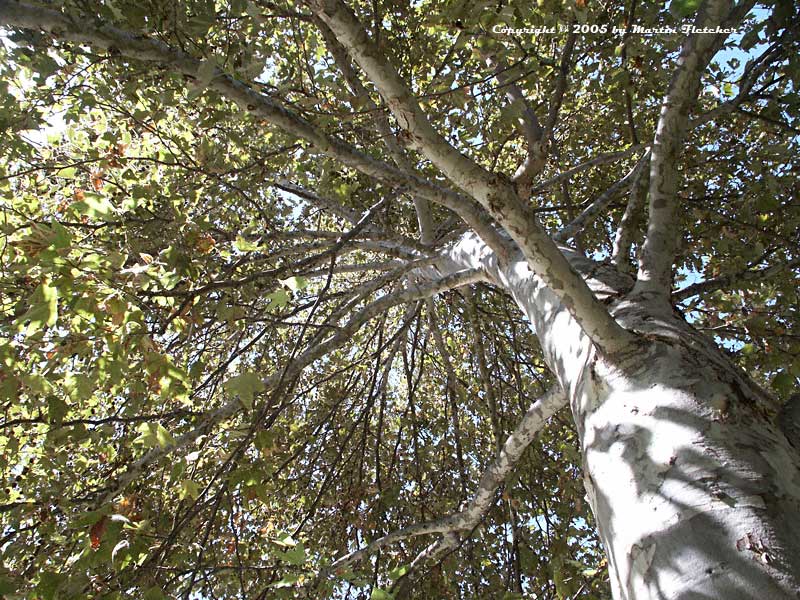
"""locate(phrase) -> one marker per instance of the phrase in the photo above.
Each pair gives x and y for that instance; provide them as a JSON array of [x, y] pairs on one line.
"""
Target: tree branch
[[593, 162], [316, 351], [339, 53], [561, 85], [727, 281], [661, 241], [591, 212], [623, 239], [528, 124], [746, 83]]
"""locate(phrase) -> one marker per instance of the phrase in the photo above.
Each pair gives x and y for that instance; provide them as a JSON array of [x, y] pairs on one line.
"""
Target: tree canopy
[[229, 356]]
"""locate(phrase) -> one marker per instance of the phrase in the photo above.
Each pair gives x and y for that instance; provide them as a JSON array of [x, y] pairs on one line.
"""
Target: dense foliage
[[166, 251]]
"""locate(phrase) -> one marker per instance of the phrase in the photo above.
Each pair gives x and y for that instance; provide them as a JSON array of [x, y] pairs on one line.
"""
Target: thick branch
[[623, 239], [339, 53], [591, 212], [661, 242], [528, 124]]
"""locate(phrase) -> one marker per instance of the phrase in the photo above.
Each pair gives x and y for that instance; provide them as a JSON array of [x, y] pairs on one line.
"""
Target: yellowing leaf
[[294, 283], [243, 245], [67, 172], [285, 540]]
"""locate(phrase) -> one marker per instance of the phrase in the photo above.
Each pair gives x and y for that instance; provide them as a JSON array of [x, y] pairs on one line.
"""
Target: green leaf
[[56, 409], [783, 383], [90, 518], [398, 572], [62, 238], [7, 586], [294, 556], [264, 439], [287, 581], [683, 8], [189, 489], [43, 309], [164, 437], [513, 111], [794, 368], [154, 593], [49, 584], [253, 10], [379, 594], [245, 476], [749, 40], [154, 434], [121, 546], [94, 205], [278, 299], [246, 386]]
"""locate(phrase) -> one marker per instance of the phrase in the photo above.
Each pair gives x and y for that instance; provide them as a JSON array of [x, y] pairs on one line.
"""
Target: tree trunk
[[695, 491]]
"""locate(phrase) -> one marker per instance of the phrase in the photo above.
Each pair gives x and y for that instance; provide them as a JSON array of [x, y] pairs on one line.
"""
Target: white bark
[[694, 491]]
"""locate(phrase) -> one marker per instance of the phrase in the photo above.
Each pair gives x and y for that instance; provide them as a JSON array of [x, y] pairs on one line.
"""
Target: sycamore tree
[[344, 299]]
